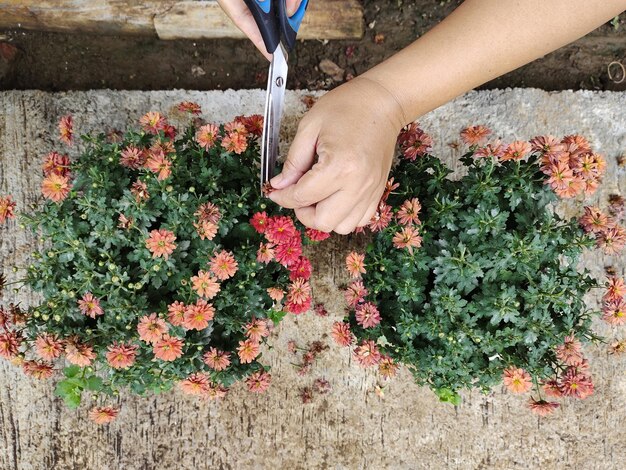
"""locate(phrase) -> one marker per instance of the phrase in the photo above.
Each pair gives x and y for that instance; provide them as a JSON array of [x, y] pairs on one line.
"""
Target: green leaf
[[448, 396], [93, 383], [276, 316], [71, 371]]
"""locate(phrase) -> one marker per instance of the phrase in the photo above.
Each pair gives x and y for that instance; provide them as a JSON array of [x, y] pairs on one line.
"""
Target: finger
[[239, 13], [292, 6], [314, 186], [299, 159], [331, 212], [353, 219], [369, 213]]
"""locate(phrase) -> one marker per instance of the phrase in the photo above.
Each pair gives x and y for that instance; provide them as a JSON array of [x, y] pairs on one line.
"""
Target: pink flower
[[614, 312], [198, 315], [189, 107], [133, 157], [235, 142], [408, 238], [548, 145], [139, 190], [299, 291], [492, 150], [247, 351], [516, 151], [151, 328], [55, 187], [612, 240], [7, 207], [153, 122], [205, 285], [367, 315], [301, 268], [367, 353], [208, 212], [570, 351], [103, 414], [381, 218], [414, 142], [259, 382], [159, 164], [298, 307], [316, 235], [288, 252], [542, 407], [223, 265], [38, 369], [517, 380], [176, 313], [552, 389], [574, 384], [259, 221], [66, 129], [55, 163], [161, 243], [595, 221], [265, 253], [236, 127], [409, 212], [121, 356], [355, 293], [475, 135], [79, 354], [48, 346], [10, 342], [216, 359], [280, 229], [355, 264], [124, 222], [168, 348], [615, 289], [90, 306]]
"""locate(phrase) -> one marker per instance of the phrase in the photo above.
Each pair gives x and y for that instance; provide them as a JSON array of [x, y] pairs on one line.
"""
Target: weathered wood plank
[[350, 428], [168, 19]]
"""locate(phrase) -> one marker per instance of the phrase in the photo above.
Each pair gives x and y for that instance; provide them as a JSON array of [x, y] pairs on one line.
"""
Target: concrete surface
[[351, 427]]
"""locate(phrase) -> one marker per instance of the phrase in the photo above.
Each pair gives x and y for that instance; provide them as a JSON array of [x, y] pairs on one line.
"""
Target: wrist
[[393, 106]]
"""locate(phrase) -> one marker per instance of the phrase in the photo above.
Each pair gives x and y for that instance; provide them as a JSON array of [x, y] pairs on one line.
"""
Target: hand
[[353, 131], [239, 13]]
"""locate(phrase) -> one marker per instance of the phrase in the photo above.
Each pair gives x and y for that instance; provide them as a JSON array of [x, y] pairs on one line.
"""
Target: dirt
[[56, 61]]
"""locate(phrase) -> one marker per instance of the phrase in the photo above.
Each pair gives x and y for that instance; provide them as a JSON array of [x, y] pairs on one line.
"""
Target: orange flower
[[38, 369], [103, 414], [195, 384], [387, 367], [48, 346], [408, 213], [408, 238], [275, 293], [355, 264], [247, 351], [133, 157], [6, 208], [341, 333], [206, 230], [615, 289], [205, 285], [542, 407], [168, 348], [57, 164], [474, 135], [216, 359], [153, 122], [198, 315], [299, 291], [612, 240], [151, 328], [265, 254], [209, 212], [517, 380], [367, 353], [223, 265], [66, 129], [189, 107], [159, 164], [614, 312], [235, 142], [516, 151], [9, 344], [121, 356], [207, 136], [79, 354], [55, 187], [161, 243], [256, 329], [176, 313], [90, 306]]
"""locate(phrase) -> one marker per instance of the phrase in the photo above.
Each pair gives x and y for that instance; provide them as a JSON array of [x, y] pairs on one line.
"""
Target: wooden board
[[168, 19]]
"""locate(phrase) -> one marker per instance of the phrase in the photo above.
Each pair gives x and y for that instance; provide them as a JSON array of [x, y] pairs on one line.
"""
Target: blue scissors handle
[[274, 24]]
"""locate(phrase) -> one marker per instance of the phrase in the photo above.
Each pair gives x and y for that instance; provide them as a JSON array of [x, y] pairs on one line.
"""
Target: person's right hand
[[240, 14]]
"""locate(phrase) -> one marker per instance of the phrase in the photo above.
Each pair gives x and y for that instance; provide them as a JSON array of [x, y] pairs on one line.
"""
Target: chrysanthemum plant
[[163, 264], [474, 282]]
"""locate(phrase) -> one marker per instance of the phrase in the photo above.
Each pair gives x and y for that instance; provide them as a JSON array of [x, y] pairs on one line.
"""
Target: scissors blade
[[274, 105]]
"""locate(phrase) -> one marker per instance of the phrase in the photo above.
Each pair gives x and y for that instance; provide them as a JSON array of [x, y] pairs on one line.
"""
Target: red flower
[[288, 252], [208, 212], [259, 221], [280, 229], [355, 293], [55, 163], [575, 384], [9, 344], [301, 268]]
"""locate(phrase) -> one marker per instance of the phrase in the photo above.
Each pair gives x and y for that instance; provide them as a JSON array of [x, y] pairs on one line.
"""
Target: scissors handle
[[274, 24]]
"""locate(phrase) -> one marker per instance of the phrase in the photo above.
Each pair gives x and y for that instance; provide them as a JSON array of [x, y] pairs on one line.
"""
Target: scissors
[[279, 35]]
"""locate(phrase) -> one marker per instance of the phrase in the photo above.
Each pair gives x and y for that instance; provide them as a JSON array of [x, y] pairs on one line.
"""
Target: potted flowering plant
[[163, 264], [474, 282]]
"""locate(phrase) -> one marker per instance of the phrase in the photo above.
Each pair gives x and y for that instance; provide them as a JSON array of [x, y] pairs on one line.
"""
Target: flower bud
[[94, 185], [83, 216], [88, 331], [57, 318], [115, 279], [263, 206], [156, 268], [131, 285], [129, 327], [118, 317], [192, 189], [45, 317], [240, 205]]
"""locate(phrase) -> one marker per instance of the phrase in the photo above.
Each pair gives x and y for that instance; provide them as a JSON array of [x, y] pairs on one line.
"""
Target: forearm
[[481, 40]]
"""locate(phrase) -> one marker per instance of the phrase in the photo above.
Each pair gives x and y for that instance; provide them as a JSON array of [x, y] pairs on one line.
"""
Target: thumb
[[292, 6], [299, 160]]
